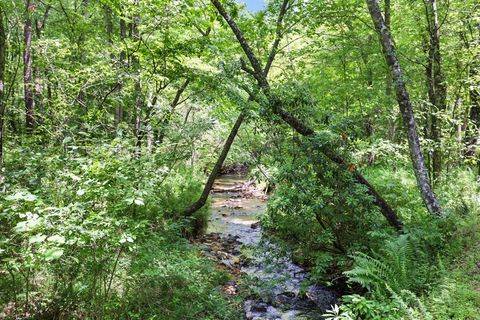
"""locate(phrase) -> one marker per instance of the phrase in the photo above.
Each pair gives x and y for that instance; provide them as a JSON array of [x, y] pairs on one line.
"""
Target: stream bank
[[234, 241]]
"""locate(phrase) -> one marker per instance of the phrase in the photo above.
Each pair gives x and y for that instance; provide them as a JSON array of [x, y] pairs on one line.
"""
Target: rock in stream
[[234, 226]]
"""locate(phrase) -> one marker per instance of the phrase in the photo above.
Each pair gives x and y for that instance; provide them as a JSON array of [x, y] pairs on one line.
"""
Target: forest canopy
[[356, 123]]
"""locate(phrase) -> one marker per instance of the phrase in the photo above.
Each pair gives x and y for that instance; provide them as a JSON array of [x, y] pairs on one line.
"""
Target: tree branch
[[297, 124]]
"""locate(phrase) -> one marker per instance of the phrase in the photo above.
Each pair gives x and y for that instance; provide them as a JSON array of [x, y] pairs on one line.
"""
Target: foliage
[[74, 244], [173, 283], [132, 101], [422, 274]]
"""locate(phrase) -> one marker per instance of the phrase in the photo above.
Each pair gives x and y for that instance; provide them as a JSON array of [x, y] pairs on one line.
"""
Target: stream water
[[279, 284]]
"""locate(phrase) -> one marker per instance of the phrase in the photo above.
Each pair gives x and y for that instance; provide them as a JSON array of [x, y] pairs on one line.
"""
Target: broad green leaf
[[22, 195], [21, 227], [53, 254], [57, 239], [139, 202], [37, 238]]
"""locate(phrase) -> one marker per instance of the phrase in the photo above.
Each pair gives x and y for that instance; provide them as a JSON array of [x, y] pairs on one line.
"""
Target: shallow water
[[277, 280]]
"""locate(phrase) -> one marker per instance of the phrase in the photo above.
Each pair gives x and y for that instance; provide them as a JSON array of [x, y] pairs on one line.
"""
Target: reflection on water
[[232, 214]]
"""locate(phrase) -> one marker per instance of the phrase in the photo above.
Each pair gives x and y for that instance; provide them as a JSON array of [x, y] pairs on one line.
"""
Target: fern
[[397, 267], [411, 305]]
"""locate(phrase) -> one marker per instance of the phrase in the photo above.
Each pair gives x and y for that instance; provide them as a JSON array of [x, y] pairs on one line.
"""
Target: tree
[[234, 131], [37, 72], [297, 124], [200, 202], [27, 66], [406, 108], [437, 89], [2, 82]]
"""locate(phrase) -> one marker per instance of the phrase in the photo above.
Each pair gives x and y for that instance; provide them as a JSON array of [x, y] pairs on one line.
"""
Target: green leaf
[[139, 202], [67, 140], [21, 227], [22, 195], [37, 238], [53, 254], [57, 239]]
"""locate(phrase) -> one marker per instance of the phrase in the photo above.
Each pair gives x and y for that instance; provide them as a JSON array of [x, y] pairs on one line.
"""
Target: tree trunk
[[216, 169], [123, 64], [437, 90], [474, 93], [138, 86], [406, 108], [388, 21], [168, 115], [472, 122], [2, 83], [27, 68], [38, 94], [295, 123], [226, 147], [108, 24]]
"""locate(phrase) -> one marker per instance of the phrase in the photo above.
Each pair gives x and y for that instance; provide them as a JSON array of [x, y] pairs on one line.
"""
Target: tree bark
[[472, 127], [406, 108], [226, 147], [216, 169], [437, 90], [38, 94], [27, 67], [297, 124], [138, 86], [123, 64], [388, 21], [2, 82], [169, 113]]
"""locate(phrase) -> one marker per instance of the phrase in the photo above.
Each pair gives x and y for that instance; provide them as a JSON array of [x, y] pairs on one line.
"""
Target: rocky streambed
[[234, 241]]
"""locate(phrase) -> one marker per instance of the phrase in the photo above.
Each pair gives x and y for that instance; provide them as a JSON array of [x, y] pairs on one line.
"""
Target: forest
[[216, 159]]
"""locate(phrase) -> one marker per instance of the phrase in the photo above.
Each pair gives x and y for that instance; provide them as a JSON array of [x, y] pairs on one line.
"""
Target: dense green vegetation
[[361, 117]]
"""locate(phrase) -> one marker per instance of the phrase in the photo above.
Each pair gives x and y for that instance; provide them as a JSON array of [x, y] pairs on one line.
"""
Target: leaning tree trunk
[[297, 124], [27, 67], [168, 114], [406, 108], [2, 83], [216, 169], [228, 143]]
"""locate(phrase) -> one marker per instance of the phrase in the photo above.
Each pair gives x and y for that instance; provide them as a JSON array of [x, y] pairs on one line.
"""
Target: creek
[[234, 237]]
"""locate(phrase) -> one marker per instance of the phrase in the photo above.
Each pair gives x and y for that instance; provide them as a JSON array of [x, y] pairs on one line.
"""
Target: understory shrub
[[429, 272], [77, 234]]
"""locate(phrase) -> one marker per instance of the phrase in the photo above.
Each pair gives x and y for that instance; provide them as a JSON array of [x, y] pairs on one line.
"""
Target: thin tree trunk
[[216, 169], [168, 115], [228, 143], [437, 90], [138, 87], [474, 93], [108, 24], [2, 83], [123, 64], [38, 94], [406, 109], [27, 67], [295, 123], [388, 21], [472, 129]]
